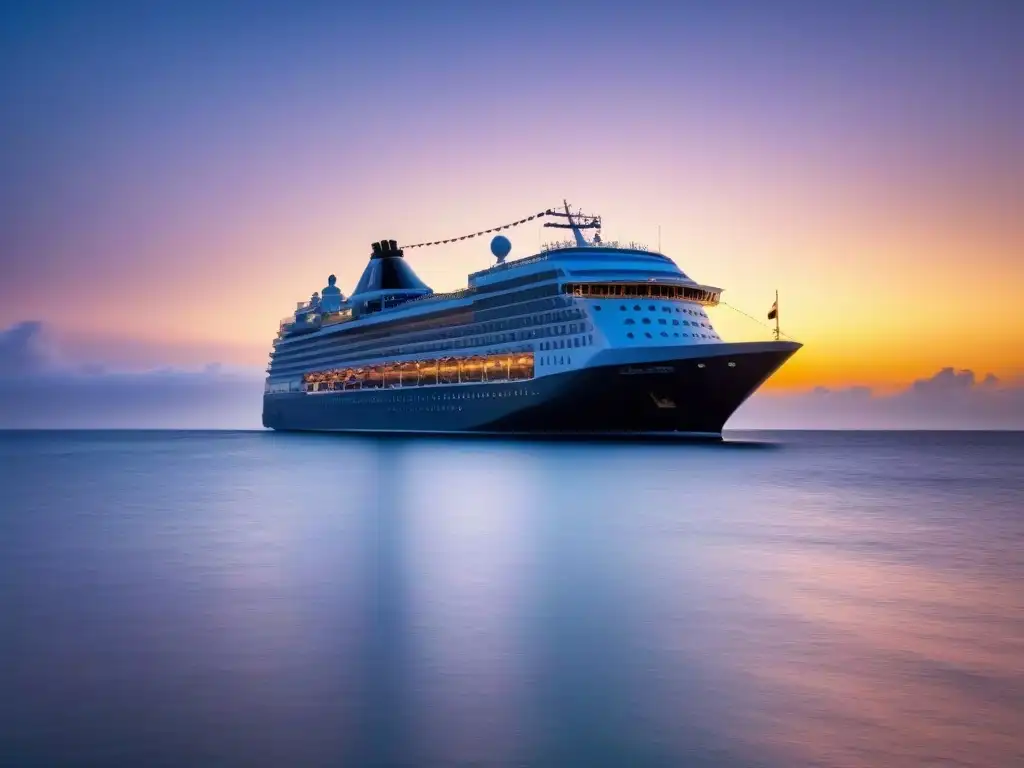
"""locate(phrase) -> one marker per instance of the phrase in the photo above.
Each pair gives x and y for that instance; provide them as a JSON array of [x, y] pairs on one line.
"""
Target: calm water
[[800, 599]]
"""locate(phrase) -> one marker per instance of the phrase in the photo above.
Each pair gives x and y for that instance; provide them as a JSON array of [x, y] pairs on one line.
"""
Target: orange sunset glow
[[168, 210]]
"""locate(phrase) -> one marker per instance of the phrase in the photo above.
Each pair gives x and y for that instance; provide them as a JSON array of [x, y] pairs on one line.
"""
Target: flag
[[774, 311]]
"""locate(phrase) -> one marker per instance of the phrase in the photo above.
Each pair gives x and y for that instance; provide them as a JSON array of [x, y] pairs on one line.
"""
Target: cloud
[[40, 389], [948, 381], [949, 399], [24, 349]]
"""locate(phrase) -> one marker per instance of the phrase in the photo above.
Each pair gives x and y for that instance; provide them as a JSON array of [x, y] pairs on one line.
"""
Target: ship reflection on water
[[274, 599]]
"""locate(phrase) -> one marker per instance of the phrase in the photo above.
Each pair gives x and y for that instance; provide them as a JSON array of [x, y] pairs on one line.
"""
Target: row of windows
[[577, 341], [554, 310], [516, 282], [383, 330], [556, 360], [420, 373], [663, 321], [666, 310], [282, 367], [645, 290], [675, 334], [358, 331], [403, 403]]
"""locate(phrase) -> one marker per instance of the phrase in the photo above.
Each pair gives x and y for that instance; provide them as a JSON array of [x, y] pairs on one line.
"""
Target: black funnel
[[387, 271]]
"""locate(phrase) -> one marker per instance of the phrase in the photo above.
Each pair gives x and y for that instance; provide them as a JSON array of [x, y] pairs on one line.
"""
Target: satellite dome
[[501, 246]]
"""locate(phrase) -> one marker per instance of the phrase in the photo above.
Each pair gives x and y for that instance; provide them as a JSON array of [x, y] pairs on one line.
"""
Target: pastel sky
[[174, 176]]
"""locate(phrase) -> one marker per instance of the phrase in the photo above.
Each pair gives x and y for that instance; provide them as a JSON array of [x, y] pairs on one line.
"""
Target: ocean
[[783, 599]]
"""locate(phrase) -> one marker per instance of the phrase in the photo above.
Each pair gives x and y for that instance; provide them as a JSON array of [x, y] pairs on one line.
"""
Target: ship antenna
[[580, 239], [576, 224], [776, 314]]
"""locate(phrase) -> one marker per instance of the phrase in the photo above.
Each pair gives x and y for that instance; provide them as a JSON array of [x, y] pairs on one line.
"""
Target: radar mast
[[577, 222]]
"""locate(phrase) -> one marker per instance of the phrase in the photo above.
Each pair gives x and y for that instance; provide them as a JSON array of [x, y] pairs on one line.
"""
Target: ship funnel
[[388, 271]]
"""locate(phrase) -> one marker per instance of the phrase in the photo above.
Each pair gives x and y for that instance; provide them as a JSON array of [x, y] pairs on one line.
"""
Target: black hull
[[685, 391]]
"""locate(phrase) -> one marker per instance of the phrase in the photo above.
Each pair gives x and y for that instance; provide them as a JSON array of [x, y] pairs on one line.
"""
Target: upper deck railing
[[561, 245]]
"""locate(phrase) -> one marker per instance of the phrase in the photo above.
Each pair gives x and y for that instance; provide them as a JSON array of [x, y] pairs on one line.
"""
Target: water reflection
[[287, 599]]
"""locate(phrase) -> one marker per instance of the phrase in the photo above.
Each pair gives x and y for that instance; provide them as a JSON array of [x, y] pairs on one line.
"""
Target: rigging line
[[770, 328], [546, 212]]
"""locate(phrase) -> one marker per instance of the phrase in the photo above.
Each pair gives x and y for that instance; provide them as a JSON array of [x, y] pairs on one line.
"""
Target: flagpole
[[776, 314]]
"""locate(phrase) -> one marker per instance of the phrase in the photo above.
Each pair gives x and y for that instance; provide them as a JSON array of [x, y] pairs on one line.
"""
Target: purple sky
[[174, 176]]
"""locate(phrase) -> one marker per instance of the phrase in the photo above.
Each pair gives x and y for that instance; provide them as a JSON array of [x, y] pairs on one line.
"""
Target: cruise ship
[[584, 338]]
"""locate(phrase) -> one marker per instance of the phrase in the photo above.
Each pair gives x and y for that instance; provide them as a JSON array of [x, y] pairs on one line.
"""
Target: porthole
[[636, 307], [622, 307], [647, 334], [597, 307], [647, 321], [664, 333], [652, 307], [732, 364], [629, 335], [630, 321], [700, 365]]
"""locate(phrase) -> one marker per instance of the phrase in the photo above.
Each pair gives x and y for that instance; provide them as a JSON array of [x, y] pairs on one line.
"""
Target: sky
[[174, 176]]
